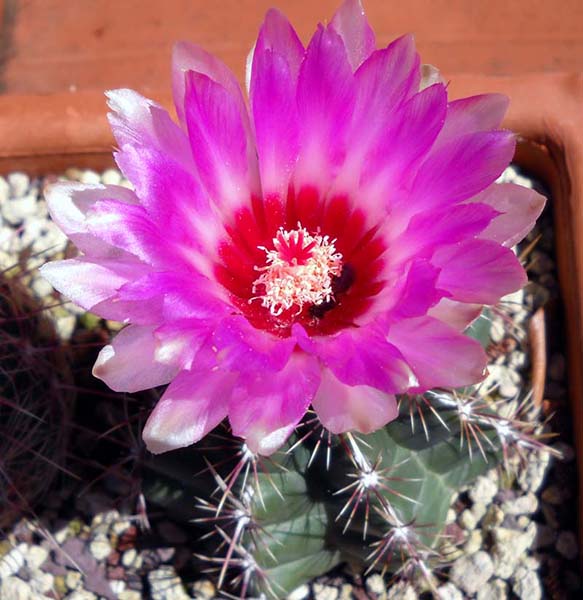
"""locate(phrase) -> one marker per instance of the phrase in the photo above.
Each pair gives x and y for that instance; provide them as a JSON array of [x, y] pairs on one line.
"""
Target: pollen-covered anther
[[299, 271]]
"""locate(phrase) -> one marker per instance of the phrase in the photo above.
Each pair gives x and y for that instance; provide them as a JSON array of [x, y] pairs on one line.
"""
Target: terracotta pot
[[61, 56]]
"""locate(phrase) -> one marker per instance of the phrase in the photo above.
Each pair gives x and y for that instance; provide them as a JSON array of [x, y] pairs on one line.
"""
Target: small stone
[[324, 592], [15, 212], [401, 591], [523, 505], [526, 585], [479, 510], [467, 520], [166, 585], [470, 573], [346, 592], [532, 563], [82, 595], [509, 546], [12, 562], [451, 516], [493, 518], [65, 326], [35, 556], [530, 478], [73, 579], [299, 593], [19, 184], [375, 584], [100, 547], [128, 557], [474, 542], [117, 586], [13, 588], [120, 527], [41, 582], [131, 595], [483, 490], [90, 177], [493, 590], [41, 287], [449, 592], [203, 589], [74, 174], [111, 177], [566, 545]]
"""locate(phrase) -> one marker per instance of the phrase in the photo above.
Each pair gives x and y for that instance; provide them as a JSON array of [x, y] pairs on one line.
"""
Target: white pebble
[[111, 177], [90, 177], [100, 548], [19, 184], [12, 562]]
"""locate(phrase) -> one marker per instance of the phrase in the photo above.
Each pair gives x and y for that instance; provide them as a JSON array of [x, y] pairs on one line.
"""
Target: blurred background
[[52, 46]]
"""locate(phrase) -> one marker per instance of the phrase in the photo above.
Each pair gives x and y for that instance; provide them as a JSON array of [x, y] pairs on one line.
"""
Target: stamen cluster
[[299, 271]]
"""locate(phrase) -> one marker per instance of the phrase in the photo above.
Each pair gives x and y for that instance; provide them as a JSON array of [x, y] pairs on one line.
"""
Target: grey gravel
[[470, 573]]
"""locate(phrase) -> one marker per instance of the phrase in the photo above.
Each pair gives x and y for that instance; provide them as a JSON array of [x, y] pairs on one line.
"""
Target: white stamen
[[298, 271]]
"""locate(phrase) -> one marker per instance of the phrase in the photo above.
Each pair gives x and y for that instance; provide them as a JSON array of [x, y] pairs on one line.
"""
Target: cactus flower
[[324, 243]]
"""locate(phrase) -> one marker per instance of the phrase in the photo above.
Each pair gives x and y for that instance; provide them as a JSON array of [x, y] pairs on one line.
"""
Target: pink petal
[[88, 283], [473, 114], [364, 357], [275, 117], [218, 139], [438, 354], [241, 347], [520, 208], [68, 204], [456, 314], [278, 36], [442, 226], [461, 168], [478, 271], [190, 57], [325, 100], [266, 406], [128, 226], [419, 291], [194, 404], [129, 363], [342, 407], [408, 136], [387, 77], [179, 341], [175, 201], [138, 120], [351, 24]]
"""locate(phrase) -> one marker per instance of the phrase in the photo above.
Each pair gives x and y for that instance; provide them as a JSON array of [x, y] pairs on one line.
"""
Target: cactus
[[35, 402], [376, 501]]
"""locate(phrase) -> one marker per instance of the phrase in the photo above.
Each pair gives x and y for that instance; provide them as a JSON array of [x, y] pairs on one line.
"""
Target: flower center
[[299, 271]]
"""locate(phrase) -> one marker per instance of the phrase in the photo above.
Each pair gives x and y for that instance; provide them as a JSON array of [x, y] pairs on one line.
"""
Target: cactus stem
[[370, 482], [315, 428], [417, 403]]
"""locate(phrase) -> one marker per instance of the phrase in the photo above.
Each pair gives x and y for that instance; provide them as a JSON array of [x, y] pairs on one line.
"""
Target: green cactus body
[[374, 501]]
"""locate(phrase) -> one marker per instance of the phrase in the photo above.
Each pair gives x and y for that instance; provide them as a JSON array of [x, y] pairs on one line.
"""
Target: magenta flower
[[325, 245]]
